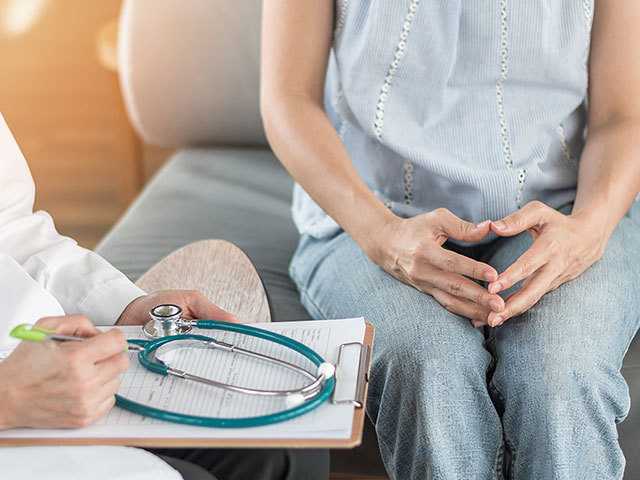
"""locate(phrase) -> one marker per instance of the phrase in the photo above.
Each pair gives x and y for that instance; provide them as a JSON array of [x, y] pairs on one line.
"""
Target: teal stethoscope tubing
[[216, 422]]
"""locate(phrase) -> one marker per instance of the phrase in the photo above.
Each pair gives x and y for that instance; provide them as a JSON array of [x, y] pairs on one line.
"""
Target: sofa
[[189, 73]]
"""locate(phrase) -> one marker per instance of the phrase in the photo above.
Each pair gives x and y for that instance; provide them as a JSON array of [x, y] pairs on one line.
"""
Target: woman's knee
[[415, 358], [417, 333], [416, 354], [575, 332], [561, 380]]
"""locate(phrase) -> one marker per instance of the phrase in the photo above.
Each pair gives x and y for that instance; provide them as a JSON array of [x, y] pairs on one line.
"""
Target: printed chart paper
[[175, 394]]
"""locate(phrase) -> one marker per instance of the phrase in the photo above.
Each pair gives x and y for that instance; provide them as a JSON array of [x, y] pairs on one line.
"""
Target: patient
[[46, 276], [465, 171]]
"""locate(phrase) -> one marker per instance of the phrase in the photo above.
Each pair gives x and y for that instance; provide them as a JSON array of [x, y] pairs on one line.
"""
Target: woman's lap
[[568, 347], [595, 313], [337, 280], [588, 322], [429, 367]]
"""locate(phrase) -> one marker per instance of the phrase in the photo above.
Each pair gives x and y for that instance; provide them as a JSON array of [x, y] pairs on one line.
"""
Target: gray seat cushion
[[239, 195], [244, 196]]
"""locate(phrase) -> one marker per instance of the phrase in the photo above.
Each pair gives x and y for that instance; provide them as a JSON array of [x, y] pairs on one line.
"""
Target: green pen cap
[[30, 333]]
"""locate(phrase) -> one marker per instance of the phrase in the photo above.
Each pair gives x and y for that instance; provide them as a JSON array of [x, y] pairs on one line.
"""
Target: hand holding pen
[[62, 384]]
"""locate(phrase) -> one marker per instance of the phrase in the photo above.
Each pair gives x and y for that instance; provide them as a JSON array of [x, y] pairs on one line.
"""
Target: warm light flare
[[18, 16]]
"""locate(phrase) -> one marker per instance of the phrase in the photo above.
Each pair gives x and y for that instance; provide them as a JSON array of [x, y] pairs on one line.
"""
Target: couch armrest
[[190, 71]]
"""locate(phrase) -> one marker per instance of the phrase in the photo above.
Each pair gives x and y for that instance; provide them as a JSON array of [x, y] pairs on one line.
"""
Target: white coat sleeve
[[80, 280]]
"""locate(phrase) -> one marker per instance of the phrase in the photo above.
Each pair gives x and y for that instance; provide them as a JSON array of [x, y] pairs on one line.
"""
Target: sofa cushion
[[190, 71], [239, 195]]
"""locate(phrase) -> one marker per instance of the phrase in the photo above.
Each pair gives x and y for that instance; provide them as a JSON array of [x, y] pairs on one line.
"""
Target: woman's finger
[[455, 227], [532, 214], [526, 265], [459, 306], [449, 261], [460, 286], [525, 298]]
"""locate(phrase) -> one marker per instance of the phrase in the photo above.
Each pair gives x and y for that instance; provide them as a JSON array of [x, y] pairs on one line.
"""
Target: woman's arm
[[296, 42], [609, 177], [610, 166]]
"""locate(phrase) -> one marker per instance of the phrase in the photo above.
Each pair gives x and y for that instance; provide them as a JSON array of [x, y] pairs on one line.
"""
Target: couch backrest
[[189, 71]]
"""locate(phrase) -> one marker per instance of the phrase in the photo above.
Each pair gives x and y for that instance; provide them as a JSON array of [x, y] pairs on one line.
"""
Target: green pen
[[31, 333]]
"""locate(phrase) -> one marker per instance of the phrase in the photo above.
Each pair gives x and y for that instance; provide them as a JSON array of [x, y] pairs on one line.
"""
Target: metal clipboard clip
[[364, 361]]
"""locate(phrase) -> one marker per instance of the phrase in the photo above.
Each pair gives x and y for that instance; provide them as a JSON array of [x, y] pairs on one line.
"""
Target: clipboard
[[359, 403]]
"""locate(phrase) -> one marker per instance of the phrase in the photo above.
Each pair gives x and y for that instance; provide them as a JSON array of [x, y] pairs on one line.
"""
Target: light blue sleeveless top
[[478, 106]]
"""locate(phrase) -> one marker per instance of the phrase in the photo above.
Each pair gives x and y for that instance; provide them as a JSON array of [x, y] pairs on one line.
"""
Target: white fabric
[[82, 463], [43, 273], [23, 300], [79, 280]]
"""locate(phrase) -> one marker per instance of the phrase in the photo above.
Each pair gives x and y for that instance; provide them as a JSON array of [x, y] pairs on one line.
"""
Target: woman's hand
[[195, 306], [62, 385], [411, 250], [564, 247]]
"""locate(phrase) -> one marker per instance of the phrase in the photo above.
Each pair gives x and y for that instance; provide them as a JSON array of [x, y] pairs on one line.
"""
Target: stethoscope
[[167, 328]]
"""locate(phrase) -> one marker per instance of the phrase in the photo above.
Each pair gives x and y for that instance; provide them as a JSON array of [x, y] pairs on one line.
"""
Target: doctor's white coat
[[43, 273]]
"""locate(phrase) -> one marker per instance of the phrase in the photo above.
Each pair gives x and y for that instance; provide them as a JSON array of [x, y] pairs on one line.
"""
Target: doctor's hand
[[564, 246], [62, 385], [412, 251], [195, 306]]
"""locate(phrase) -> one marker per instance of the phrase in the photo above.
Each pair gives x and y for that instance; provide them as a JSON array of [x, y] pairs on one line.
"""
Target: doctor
[[47, 279]]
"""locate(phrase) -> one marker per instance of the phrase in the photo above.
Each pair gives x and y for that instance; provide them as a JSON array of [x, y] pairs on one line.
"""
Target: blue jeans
[[453, 402]]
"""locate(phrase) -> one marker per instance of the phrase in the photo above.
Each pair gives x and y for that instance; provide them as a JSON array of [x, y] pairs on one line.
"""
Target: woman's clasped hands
[[563, 247]]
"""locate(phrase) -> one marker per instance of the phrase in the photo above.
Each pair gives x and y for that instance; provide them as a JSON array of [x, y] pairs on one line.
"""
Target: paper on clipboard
[[329, 422]]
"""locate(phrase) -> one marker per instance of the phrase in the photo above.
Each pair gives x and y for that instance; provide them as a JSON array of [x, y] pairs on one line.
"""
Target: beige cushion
[[190, 70]]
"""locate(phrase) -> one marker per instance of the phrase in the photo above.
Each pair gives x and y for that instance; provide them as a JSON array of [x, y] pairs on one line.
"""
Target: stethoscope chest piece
[[166, 320]]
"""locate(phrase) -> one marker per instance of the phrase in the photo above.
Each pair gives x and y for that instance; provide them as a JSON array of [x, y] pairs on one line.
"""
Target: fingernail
[[483, 224], [490, 275], [497, 320], [499, 225], [495, 287]]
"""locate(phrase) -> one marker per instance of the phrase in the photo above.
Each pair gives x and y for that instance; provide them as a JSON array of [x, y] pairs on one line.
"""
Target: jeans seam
[[382, 443], [497, 467], [506, 442]]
